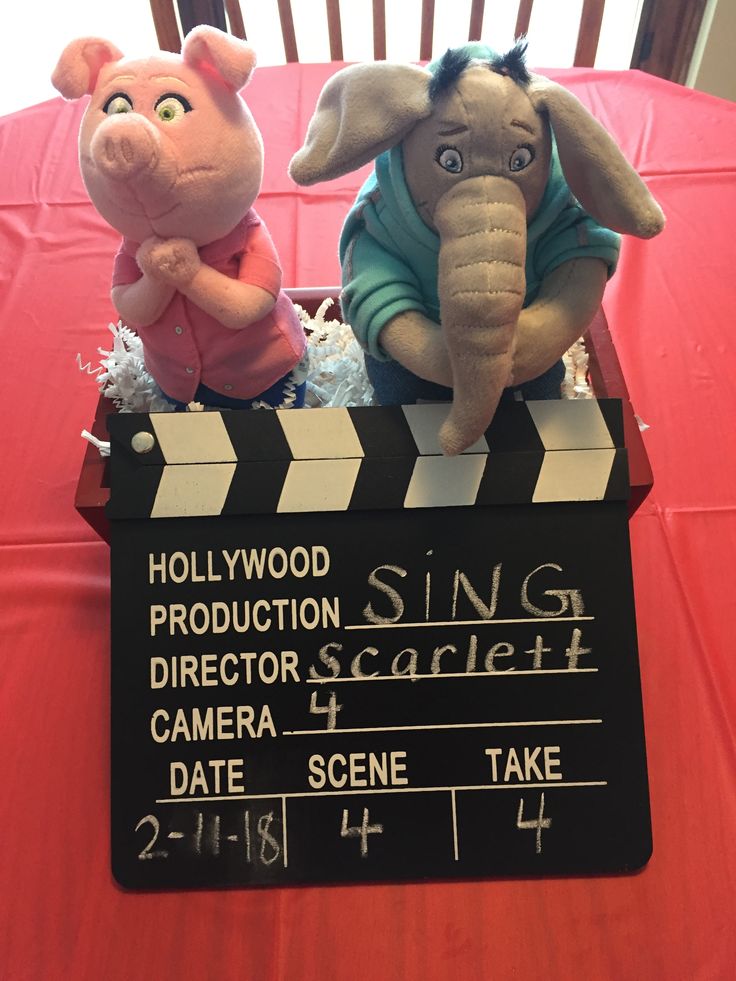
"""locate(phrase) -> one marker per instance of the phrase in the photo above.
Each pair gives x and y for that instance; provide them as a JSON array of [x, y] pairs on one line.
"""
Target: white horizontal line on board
[[464, 623], [461, 674], [385, 790], [453, 725]]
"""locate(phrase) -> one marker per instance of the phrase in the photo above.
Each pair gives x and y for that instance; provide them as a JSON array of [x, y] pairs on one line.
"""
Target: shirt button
[[190, 371], [178, 330], [228, 388]]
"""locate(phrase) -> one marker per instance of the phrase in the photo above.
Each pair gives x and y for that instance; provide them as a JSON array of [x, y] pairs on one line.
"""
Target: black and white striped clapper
[[209, 463], [338, 655]]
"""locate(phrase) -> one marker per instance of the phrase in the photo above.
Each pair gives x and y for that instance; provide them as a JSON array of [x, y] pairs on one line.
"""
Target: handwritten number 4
[[537, 824], [330, 710], [361, 832]]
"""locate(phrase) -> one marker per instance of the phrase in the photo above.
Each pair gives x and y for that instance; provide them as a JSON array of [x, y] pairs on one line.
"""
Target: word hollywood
[[240, 563]]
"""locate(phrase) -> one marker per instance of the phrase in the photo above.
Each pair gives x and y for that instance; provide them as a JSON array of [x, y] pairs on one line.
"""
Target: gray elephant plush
[[478, 250]]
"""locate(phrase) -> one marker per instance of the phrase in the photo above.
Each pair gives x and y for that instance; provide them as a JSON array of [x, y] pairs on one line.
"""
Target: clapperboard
[[338, 655]]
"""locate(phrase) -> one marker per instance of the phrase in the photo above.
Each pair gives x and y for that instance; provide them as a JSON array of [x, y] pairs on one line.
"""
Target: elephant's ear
[[597, 172], [362, 111]]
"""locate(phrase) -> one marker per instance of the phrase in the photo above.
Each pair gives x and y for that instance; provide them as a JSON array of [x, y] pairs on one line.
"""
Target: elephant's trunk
[[482, 227]]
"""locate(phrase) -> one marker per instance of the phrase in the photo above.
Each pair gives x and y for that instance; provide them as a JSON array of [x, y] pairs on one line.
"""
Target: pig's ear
[[76, 72], [233, 60]]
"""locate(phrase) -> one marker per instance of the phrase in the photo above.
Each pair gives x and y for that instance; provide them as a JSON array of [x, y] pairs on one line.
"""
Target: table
[[670, 308]]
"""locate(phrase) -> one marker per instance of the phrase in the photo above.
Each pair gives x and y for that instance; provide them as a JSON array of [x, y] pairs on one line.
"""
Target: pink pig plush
[[172, 159]]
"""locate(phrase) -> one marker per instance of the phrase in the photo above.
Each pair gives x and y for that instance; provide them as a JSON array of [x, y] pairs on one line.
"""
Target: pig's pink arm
[[142, 302], [233, 303], [238, 303], [138, 297]]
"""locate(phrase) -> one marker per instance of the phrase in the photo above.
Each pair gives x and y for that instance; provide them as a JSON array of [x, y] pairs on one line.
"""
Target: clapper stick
[[362, 458]]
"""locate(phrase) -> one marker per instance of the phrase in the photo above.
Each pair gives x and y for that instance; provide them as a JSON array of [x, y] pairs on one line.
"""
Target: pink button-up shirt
[[186, 346]]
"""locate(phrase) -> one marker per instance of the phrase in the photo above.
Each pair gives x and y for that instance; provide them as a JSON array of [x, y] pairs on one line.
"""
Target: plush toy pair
[[474, 256]]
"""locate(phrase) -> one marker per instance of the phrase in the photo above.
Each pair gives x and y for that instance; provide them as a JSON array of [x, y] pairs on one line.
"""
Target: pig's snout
[[124, 146]]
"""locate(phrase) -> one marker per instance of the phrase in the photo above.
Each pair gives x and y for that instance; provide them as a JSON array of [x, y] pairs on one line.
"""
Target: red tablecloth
[[671, 313]]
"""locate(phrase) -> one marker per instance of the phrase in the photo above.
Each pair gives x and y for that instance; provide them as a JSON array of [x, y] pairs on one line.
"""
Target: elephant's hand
[[174, 261], [417, 343], [567, 302]]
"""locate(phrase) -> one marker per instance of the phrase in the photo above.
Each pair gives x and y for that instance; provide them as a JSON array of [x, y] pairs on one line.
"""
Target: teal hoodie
[[390, 257]]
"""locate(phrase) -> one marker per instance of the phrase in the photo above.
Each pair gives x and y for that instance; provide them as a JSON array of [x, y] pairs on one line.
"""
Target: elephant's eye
[[521, 158], [171, 107], [119, 102], [449, 158]]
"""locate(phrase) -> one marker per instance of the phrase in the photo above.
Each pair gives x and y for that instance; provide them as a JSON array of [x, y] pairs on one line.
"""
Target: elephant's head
[[476, 147]]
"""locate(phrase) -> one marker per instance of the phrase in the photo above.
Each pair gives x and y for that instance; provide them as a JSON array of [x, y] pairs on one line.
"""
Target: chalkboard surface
[[375, 694]]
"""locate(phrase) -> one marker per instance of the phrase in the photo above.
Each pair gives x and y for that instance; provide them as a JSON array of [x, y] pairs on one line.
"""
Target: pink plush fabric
[[193, 176], [172, 159], [186, 346]]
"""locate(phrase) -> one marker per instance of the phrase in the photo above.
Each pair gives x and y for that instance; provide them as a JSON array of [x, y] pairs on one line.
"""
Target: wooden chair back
[[227, 15]]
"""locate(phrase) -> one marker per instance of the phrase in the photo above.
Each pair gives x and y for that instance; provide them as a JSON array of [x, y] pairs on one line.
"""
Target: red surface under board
[[670, 308]]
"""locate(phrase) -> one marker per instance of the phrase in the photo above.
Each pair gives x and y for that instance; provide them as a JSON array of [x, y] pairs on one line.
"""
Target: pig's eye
[[171, 107], [119, 102]]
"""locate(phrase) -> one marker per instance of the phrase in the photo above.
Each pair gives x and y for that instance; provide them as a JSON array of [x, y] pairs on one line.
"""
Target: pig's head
[[167, 146]]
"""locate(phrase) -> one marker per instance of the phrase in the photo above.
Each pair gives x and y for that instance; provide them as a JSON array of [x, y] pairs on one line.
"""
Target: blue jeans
[[275, 397], [395, 385]]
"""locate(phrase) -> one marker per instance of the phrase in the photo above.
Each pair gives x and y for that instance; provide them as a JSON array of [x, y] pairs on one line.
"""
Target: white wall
[[29, 50], [28, 53], [713, 68], [33, 36]]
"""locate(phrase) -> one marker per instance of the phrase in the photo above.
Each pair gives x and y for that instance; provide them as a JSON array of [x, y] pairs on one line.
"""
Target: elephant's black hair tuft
[[451, 66], [513, 63]]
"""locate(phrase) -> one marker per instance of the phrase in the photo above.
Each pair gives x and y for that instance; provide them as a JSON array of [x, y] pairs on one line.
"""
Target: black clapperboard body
[[339, 656]]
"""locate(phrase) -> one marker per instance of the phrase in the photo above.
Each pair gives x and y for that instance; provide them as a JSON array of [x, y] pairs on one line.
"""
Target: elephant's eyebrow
[[520, 125], [453, 131]]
